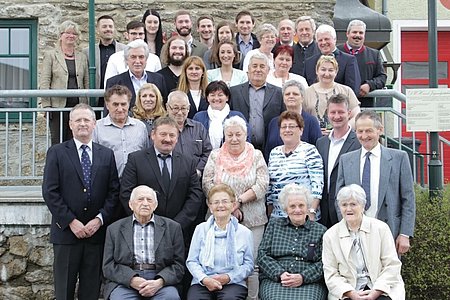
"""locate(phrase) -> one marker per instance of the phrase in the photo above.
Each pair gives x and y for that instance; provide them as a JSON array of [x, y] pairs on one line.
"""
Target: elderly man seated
[[144, 253]]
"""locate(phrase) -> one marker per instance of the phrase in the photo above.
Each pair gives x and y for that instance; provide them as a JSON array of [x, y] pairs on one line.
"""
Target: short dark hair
[[166, 120], [244, 13], [135, 24], [182, 13], [117, 90], [204, 18], [217, 85], [339, 98], [283, 49], [104, 17], [291, 115]]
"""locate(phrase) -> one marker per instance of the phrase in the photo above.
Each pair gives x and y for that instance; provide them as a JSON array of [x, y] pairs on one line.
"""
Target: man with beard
[[173, 55], [183, 24], [370, 63], [205, 28]]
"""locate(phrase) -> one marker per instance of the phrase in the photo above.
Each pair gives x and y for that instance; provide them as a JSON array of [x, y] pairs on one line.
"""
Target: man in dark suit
[[385, 174], [370, 63], [137, 269], [340, 140], [306, 46], [257, 100], [171, 174], [348, 73], [82, 197], [136, 53]]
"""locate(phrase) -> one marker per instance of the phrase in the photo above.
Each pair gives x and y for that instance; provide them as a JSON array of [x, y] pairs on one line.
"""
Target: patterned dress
[[287, 248], [304, 167]]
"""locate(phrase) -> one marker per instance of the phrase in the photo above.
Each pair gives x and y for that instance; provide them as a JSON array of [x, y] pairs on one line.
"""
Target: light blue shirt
[[244, 249]]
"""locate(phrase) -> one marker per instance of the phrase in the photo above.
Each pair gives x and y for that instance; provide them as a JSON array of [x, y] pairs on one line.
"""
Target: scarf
[[207, 253], [231, 166], [216, 118]]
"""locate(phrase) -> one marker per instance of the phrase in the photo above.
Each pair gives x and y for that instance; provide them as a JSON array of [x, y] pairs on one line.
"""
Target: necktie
[[366, 179], [86, 167], [165, 172]]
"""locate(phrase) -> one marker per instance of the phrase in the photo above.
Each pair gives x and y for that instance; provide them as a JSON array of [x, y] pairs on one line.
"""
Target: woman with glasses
[[293, 162], [241, 166], [193, 81], [317, 95], [267, 37], [64, 67], [221, 254]]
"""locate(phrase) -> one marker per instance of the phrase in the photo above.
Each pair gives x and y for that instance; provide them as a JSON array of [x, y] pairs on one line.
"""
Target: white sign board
[[428, 109]]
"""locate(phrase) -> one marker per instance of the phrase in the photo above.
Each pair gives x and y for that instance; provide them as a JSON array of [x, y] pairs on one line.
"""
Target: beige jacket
[[379, 252], [54, 75]]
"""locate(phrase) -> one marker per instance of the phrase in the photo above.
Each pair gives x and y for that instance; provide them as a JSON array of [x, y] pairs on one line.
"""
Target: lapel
[[364, 234], [385, 169], [192, 104], [126, 230], [176, 161], [154, 166], [96, 156], [72, 152], [97, 57], [344, 239], [160, 228], [325, 156], [245, 94], [354, 164], [60, 58], [268, 93], [129, 84]]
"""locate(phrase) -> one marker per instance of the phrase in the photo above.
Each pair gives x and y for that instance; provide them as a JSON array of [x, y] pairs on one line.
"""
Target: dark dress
[[287, 248]]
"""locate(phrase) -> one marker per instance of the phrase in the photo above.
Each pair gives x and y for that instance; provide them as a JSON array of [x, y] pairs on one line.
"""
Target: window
[[18, 60]]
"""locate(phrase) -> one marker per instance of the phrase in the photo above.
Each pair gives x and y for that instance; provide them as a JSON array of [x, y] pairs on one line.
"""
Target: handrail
[[388, 93], [51, 93]]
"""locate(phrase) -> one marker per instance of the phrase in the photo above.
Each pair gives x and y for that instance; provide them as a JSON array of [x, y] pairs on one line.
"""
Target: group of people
[[260, 136]]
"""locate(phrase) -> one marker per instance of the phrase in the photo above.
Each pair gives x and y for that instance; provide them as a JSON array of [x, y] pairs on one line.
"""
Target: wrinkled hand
[[92, 226], [136, 282], [291, 280], [212, 284], [150, 287], [402, 244], [222, 278], [363, 295], [78, 229], [364, 90]]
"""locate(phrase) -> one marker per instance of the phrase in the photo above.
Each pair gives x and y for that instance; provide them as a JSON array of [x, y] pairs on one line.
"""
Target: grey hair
[[134, 192], [372, 115], [306, 18], [325, 28], [69, 25], [235, 121], [265, 28], [259, 55], [356, 22], [352, 191], [178, 95], [292, 24], [295, 83], [293, 189], [134, 45], [80, 106]]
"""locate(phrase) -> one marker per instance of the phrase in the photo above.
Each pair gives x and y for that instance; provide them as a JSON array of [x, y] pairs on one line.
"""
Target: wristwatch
[[312, 211]]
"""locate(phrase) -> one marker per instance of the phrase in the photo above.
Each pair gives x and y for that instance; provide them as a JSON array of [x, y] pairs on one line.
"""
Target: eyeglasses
[[289, 127], [177, 109], [224, 202]]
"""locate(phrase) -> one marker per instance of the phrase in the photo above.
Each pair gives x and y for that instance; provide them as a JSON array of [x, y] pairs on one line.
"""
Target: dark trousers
[[228, 292], [82, 261], [56, 126]]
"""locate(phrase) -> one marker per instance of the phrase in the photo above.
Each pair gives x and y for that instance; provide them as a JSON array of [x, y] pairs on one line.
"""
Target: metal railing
[[24, 141]]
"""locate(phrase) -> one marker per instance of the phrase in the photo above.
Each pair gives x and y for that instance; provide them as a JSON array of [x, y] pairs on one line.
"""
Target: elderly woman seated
[[359, 256], [220, 257], [290, 254]]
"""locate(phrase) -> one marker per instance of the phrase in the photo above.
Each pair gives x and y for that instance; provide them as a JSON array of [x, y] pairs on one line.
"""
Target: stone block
[[18, 246], [15, 292], [40, 278], [41, 256], [11, 267]]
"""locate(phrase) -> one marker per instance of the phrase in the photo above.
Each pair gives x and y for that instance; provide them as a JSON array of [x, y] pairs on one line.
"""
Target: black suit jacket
[[273, 102], [183, 201], [327, 205], [65, 194], [300, 56], [348, 73], [118, 253], [124, 79], [203, 105]]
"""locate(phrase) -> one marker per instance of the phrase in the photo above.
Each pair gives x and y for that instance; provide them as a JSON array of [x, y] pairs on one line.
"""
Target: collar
[[376, 151], [157, 152], [240, 40], [251, 85], [109, 122], [287, 222], [100, 44], [189, 123], [132, 76], [334, 140], [310, 43], [349, 48], [78, 144], [152, 220]]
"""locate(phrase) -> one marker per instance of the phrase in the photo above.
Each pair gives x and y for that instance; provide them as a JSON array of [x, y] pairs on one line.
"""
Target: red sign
[[446, 3]]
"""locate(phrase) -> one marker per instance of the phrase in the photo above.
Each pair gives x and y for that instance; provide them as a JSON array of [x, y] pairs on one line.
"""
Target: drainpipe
[[384, 7]]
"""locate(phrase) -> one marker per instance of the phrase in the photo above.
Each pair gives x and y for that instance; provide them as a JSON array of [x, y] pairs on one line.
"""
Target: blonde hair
[[327, 58], [139, 111]]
